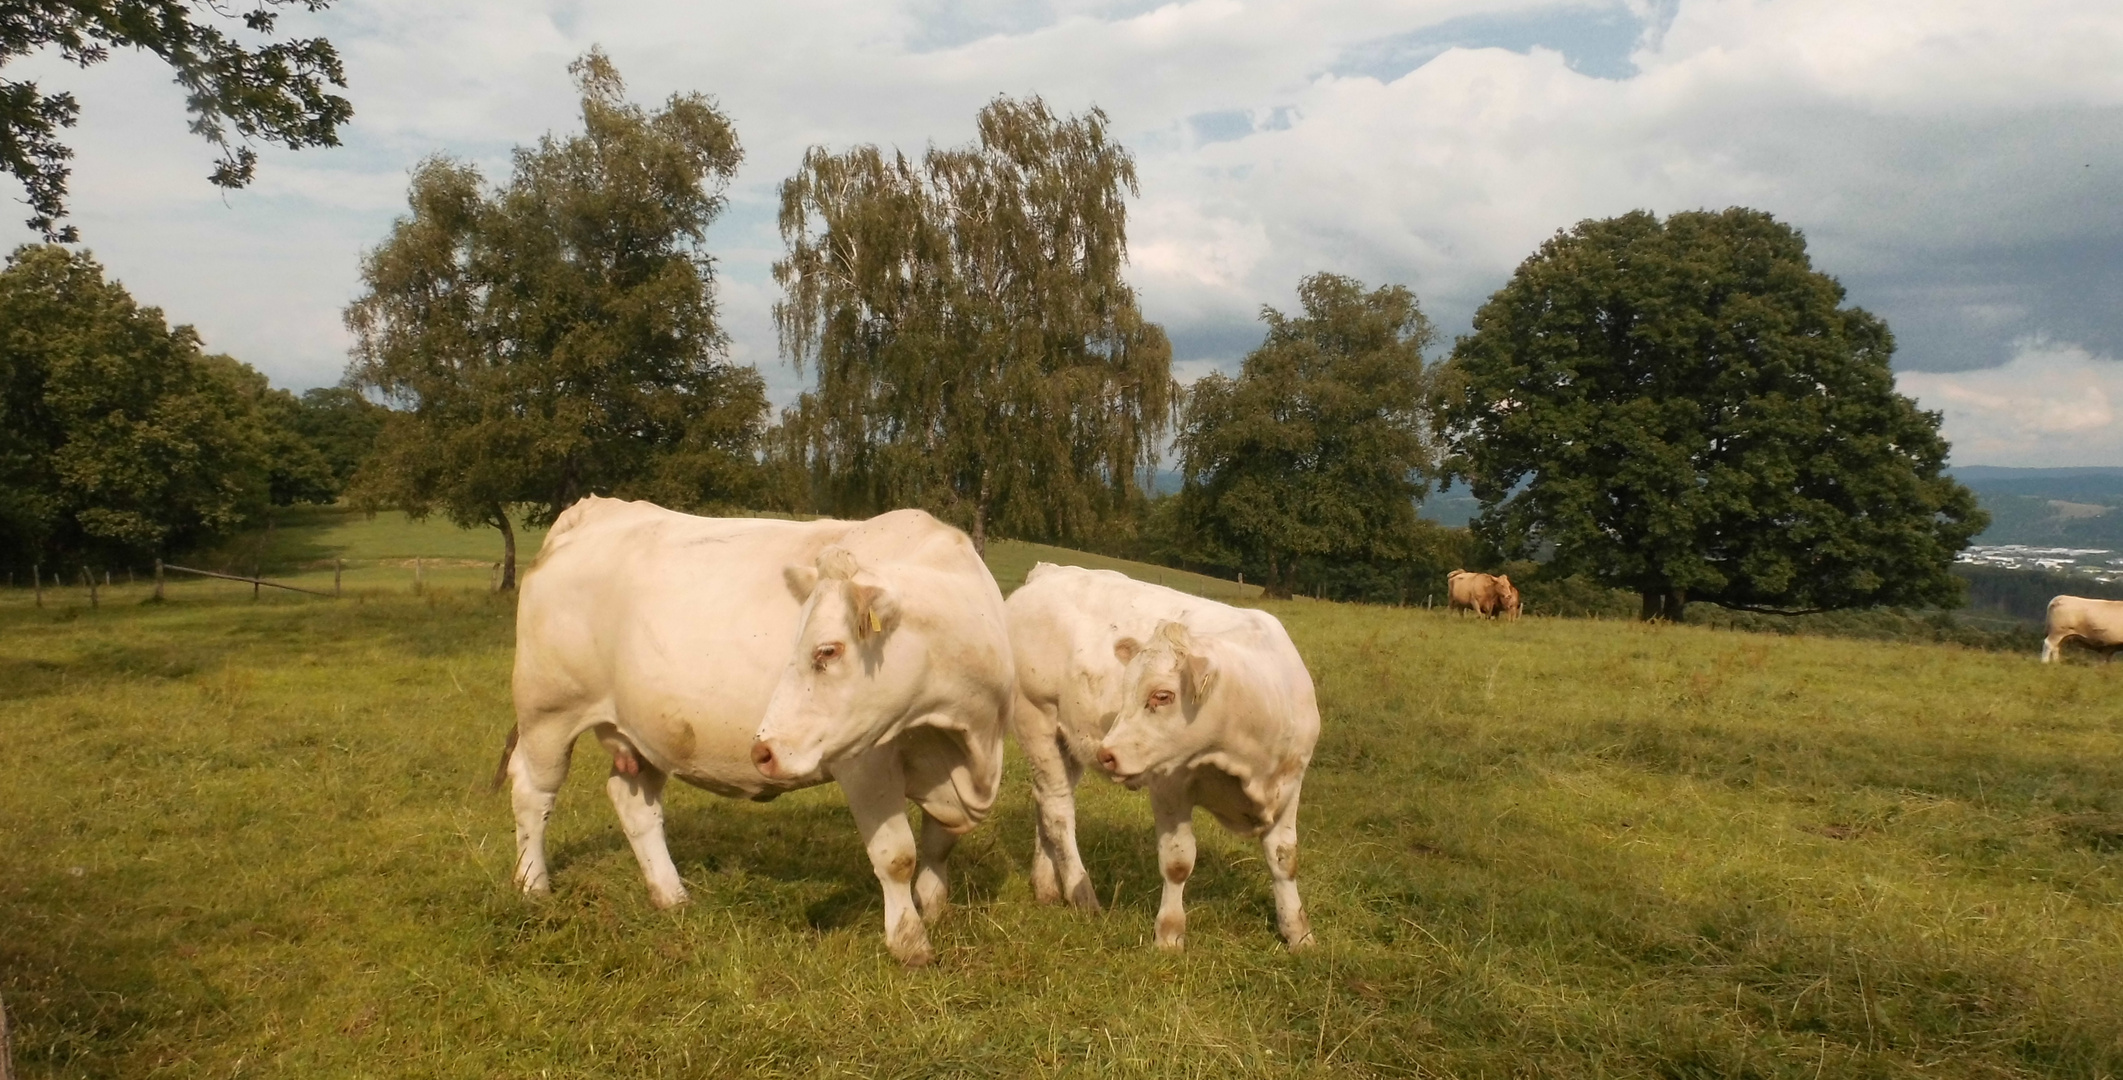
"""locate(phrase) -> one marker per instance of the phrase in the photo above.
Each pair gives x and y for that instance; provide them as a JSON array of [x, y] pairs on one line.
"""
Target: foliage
[[558, 337], [1682, 409], [2025, 594], [1304, 471], [341, 425], [1555, 848], [976, 350], [119, 437], [272, 90]]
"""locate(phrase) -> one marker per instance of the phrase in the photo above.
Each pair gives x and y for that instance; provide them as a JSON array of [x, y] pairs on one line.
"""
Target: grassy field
[[253, 838]]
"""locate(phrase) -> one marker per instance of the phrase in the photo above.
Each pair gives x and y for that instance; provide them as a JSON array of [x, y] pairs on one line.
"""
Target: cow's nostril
[[1107, 761], [762, 754]]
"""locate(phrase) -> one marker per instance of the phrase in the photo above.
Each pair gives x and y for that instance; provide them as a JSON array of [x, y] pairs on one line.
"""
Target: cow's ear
[[1504, 580], [1200, 675], [874, 608], [802, 581], [1125, 649]]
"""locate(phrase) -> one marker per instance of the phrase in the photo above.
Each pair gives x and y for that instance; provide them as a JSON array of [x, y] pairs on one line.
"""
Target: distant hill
[[2074, 507]]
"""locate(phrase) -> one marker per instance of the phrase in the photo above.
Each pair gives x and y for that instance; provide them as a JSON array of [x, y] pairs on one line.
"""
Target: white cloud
[[2052, 405], [1939, 154]]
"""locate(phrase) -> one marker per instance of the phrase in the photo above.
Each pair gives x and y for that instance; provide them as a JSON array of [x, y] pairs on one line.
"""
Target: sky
[[1956, 164]]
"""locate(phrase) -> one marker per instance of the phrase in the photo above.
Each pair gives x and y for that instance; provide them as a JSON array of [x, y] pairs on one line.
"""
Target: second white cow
[[1201, 703]]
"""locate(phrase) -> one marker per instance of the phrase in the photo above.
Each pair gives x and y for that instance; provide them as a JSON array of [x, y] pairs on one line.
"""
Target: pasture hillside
[[375, 554], [253, 838]]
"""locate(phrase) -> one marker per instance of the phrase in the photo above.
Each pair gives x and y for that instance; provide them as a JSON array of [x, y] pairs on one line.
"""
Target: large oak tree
[[1684, 408], [976, 349], [558, 337]]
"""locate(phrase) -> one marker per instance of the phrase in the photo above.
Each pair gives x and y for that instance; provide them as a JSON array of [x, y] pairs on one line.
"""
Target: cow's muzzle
[[1110, 762], [764, 759]]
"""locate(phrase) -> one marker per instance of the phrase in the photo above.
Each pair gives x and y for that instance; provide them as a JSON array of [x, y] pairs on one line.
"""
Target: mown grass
[[245, 838]]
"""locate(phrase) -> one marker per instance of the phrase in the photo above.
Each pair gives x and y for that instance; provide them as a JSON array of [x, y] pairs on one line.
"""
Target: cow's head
[[850, 677], [1507, 595], [1164, 684]]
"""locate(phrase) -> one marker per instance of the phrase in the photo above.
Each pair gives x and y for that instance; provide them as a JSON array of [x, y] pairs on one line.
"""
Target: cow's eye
[[1160, 699], [825, 654]]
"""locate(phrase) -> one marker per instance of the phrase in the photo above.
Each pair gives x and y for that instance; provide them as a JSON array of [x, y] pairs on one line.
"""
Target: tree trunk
[[1662, 604], [508, 549], [980, 517], [1275, 588]]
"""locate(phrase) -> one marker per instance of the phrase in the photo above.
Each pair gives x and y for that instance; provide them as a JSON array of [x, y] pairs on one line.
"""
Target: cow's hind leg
[[1279, 848], [537, 766], [932, 884], [1057, 867], [1174, 812], [637, 795], [877, 795]]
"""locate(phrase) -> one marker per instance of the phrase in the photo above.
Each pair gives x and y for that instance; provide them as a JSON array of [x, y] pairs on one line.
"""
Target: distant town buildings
[[2098, 564]]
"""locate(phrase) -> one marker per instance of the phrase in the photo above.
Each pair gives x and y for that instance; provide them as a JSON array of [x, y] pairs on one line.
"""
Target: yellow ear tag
[[876, 627]]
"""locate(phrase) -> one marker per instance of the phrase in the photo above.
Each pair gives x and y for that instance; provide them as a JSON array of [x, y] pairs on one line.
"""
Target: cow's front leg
[[637, 794], [877, 795], [1057, 867], [1174, 812], [1279, 848], [932, 884]]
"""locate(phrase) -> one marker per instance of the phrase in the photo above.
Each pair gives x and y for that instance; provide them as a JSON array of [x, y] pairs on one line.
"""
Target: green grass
[[245, 838]]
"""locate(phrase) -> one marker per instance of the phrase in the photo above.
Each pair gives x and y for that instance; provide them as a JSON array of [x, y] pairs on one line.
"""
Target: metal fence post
[[158, 579]]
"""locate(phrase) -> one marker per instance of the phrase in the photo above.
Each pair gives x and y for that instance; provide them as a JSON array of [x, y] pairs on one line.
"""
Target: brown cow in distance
[[1487, 595]]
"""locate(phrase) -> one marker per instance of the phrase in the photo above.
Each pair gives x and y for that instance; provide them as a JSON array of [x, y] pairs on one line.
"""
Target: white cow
[[1202, 703], [2096, 624], [753, 657]]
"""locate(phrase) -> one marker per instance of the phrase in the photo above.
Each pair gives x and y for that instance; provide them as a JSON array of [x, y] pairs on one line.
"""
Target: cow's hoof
[[1304, 942], [909, 944], [665, 899], [1082, 898]]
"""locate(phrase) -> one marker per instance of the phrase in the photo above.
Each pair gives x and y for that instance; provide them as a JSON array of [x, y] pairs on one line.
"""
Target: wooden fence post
[[420, 577], [89, 578], [36, 575], [7, 1070], [338, 568], [494, 578], [158, 579], [254, 582]]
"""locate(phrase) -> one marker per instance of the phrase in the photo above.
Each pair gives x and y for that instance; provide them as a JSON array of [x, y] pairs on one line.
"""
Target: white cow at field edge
[[1202, 703], [2096, 624], [753, 657]]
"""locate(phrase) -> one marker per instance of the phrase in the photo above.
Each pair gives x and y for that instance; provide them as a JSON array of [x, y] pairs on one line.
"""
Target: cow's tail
[[501, 771]]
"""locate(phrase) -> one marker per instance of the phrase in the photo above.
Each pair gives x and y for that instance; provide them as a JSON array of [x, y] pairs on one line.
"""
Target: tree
[[341, 426], [558, 337], [976, 349], [273, 90], [1684, 409], [119, 436], [1317, 451]]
